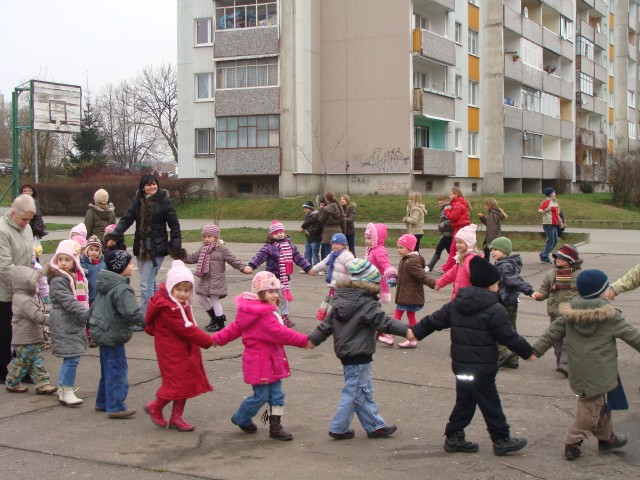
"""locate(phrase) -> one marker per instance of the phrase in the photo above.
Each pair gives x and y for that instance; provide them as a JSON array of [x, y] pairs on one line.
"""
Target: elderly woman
[[16, 247], [152, 212]]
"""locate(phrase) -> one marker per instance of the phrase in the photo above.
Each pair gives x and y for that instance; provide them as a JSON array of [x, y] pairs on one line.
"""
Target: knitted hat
[[339, 238], [591, 283], [70, 248], [308, 204], [176, 274], [211, 229], [503, 244], [548, 191], [94, 241], [81, 234], [264, 281], [567, 252], [276, 226], [117, 261], [109, 228], [363, 271], [101, 196], [468, 235], [408, 241], [482, 273]]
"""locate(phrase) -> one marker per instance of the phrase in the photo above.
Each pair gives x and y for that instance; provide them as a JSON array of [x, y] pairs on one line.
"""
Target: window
[[566, 28], [531, 54], [259, 72], [632, 130], [532, 145], [474, 187], [205, 143], [473, 2], [586, 48], [458, 33], [473, 93], [420, 136], [586, 83], [420, 79], [203, 31], [429, 186], [458, 139], [254, 131], [473, 144], [631, 99], [245, 187], [246, 14], [531, 99], [204, 86], [473, 42], [458, 86], [420, 22]]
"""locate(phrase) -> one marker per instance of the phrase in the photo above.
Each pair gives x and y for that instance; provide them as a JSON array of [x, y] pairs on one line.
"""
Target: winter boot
[[502, 446], [176, 421], [456, 442], [212, 323], [67, 397], [275, 428], [154, 409], [615, 442], [572, 450], [219, 323], [432, 263], [287, 321]]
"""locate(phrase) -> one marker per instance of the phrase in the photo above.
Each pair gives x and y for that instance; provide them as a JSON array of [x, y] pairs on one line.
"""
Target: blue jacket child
[[92, 262]]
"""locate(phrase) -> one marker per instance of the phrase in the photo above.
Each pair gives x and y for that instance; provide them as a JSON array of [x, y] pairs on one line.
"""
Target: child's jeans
[[357, 397], [114, 379], [590, 418], [68, 369], [270, 393], [28, 360]]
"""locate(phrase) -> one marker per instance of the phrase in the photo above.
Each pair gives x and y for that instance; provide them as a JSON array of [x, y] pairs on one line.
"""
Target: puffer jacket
[[28, 310], [355, 317], [114, 311], [177, 342], [590, 328], [97, 218], [411, 280], [378, 256], [558, 296], [270, 253], [511, 283], [415, 219], [332, 220], [458, 214], [340, 271], [313, 227], [550, 211], [478, 321], [444, 225], [91, 271], [68, 319], [162, 214], [215, 282], [16, 247], [264, 360], [458, 275], [629, 281]]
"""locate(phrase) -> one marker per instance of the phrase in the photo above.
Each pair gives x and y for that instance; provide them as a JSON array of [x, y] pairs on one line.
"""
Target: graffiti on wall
[[389, 161], [383, 186]]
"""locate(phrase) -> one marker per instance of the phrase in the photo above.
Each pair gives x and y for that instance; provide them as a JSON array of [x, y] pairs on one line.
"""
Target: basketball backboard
[[56, 107]]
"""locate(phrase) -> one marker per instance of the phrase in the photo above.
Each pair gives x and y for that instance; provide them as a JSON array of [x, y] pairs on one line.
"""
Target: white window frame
[[247, 14], [209, 81], [420, 136], [458, 139], [631, 99], [420, 79], [586, 84], [458, 33], [566, 29], [472, 38], [458, 86], [210, 134], [586, 48], [208, 23], [474, 91], [632, 130], [473, 2], [251, 73], [532, 54], [532, 145], [257, 131], [472, 144]]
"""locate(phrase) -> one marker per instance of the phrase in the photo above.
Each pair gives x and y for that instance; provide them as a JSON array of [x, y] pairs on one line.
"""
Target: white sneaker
[[386, 339], [427, 269]]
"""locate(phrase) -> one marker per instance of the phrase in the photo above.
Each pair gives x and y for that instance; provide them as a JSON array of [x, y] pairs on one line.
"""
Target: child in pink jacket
[[264, 362], [459, 274]]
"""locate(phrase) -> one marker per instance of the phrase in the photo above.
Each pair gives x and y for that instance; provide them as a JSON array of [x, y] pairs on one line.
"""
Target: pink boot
[[176, 421], [408, 344], [154, 409]]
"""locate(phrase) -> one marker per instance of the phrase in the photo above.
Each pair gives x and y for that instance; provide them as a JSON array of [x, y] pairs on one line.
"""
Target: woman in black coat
[[152, 212]]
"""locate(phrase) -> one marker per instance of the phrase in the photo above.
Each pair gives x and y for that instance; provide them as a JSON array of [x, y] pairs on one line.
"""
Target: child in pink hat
[[465, 240]]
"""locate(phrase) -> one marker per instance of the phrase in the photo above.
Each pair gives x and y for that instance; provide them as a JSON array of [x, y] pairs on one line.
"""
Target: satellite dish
[[525, 12]]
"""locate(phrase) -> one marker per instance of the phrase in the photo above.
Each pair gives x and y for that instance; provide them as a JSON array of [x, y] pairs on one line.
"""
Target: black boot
[[456, 442], [275, 428], [212, 323], [432, 263], [219, 323]]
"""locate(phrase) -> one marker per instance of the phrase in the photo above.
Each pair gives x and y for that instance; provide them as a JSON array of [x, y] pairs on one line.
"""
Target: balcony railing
[[431, 161]]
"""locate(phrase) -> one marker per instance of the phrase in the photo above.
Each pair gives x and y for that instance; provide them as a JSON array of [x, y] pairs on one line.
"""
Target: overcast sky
[[68, 41]]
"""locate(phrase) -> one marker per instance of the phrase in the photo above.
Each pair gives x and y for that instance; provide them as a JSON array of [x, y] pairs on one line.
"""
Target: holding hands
[[537, 296], [247, 270]]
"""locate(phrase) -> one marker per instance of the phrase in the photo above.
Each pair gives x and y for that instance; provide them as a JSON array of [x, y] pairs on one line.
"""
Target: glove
[[393, 281]]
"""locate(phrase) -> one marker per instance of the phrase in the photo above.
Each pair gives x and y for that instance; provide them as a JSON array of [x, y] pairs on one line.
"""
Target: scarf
[[202, 269], [285, 266], [81, 287], [146, 231], [330, 263], [563, 278]]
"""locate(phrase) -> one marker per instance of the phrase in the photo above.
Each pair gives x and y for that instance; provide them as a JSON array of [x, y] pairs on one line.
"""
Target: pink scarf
[[285, 266], [202, 268]]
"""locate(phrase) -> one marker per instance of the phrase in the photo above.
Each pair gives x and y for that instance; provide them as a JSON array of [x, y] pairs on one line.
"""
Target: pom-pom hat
[[592, 283], [276, 226], [482, 273], [94, 241], [264, 281], [408, 241]]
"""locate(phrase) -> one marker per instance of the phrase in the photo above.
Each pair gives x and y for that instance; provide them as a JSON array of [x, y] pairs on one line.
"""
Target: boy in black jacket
[[478, 321]]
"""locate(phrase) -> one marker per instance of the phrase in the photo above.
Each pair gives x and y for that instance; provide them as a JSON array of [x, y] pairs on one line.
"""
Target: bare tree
[[157, 92]]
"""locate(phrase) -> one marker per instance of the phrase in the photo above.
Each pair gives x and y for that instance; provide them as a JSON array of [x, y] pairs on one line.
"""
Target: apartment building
[[289, 97]]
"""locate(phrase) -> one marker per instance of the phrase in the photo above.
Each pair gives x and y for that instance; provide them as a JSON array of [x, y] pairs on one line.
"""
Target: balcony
[[430, 161], [434, 104], [433, 46], [247, 101], [447, 5], [246, 42], [247, 161], [512, 20]]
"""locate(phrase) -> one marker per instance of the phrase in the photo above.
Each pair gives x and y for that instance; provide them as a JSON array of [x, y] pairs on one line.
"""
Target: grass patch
[[53, 227]]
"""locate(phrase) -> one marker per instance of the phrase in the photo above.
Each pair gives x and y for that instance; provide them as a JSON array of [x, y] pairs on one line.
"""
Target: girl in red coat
[[176, 337], [458, 215], [264, 362]]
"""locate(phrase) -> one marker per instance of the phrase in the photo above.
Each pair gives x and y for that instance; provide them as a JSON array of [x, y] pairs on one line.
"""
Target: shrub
[[586, 187]]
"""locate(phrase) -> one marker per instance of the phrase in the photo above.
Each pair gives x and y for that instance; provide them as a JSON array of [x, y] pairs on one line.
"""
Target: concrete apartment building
[[289, 97]]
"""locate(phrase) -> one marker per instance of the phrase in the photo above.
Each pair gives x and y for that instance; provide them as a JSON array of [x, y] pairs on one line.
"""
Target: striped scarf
[[81, 288], [563, 278], [285, 266], [202, 268]]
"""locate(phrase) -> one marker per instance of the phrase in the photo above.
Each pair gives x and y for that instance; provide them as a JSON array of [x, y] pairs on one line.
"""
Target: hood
[[353, 298], [461, 200], [586, 314], [103, 213], [378, 232], [108, 280], [471, 300], [251, 309], [514, 259], [499, 213], [25, 279]]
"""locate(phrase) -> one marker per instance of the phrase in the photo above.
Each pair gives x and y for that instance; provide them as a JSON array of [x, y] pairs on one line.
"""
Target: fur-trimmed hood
[[251, 309], [585, 315], [353, 299]]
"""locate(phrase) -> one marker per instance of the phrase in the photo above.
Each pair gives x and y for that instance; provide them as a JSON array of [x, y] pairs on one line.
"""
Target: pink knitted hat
[[109, 228], [468, 235], [179, 273], [264, 281], [70, 248], [211, 229], [408, 241], [276, 226]]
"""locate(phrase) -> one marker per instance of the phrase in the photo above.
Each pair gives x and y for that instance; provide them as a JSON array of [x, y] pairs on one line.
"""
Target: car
[[6, 169]]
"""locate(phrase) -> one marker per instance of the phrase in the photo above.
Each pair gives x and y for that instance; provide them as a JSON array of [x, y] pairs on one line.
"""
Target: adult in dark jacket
[[313, 231], [152, 212], [37, 224], [332, 220], [478, 321]]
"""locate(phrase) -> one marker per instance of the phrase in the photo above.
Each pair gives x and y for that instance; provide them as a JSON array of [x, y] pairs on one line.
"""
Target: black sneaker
[[572, 450], [616, 441], [506, 445], [343, 436], [383, 432], [456, 442]]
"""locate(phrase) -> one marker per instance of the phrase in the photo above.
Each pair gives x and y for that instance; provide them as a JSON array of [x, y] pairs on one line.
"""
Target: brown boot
[[275, 428]]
